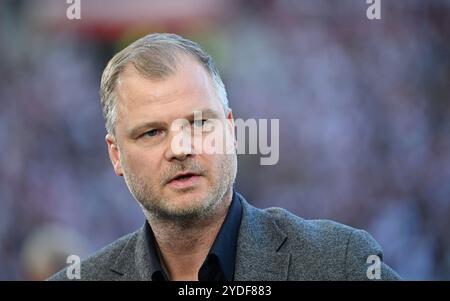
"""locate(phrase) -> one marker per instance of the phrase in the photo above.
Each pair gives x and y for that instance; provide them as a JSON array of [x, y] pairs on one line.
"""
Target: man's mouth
[[184, 180]]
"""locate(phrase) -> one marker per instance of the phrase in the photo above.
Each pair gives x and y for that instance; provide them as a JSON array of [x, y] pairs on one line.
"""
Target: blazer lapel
[[259, 242], [133, 262]]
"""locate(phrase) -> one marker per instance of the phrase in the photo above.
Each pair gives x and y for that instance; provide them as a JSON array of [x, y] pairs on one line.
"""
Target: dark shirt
[[220, 261]]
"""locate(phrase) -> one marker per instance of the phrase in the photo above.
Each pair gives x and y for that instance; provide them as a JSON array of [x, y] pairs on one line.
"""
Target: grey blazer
[[273, 244]]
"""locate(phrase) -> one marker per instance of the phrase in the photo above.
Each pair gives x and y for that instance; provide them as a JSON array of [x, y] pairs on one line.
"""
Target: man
[[197, 226]]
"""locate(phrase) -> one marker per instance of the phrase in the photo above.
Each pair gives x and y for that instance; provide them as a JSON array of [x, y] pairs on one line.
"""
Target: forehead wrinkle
[[161, 93]]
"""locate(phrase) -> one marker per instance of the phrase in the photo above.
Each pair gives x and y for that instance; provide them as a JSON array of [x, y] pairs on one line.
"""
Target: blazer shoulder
[[334, 251], [320, 231], [98, 265]]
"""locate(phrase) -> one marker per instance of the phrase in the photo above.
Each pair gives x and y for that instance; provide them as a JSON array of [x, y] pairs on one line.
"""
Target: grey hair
[[153, 56]]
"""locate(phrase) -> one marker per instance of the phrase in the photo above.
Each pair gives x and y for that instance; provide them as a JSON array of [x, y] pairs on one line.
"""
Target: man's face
[[142, 149]]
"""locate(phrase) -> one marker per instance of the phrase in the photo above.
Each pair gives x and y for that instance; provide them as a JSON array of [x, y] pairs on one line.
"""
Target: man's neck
[[184, 247]]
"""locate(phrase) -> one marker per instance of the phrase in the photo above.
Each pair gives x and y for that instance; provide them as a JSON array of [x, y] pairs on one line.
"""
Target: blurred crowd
[[364, 109]]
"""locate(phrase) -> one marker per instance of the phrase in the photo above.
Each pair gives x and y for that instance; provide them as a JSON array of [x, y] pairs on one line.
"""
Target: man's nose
[[180, 146]]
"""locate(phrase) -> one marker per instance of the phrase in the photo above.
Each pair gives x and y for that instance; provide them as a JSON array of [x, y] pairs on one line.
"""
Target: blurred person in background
[[47, 248]]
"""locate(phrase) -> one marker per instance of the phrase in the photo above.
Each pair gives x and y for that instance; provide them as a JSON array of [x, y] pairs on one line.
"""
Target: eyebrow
[[206, 113]]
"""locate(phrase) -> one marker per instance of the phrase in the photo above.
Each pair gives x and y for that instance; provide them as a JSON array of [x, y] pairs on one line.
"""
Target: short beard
[[154, 206]]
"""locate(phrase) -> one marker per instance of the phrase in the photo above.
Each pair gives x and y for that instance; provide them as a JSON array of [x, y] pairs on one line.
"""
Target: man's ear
[[113, 151]]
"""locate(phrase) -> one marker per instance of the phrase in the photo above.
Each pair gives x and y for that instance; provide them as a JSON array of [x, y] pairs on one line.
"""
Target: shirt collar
[[225, 244], [156, 271], [223, 248]]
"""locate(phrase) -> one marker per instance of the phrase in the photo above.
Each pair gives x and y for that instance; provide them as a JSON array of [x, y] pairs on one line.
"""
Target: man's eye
[[152, 133], [200, 122]]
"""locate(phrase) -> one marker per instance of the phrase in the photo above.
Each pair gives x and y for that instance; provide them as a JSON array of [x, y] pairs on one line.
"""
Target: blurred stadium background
[[363, 106]]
